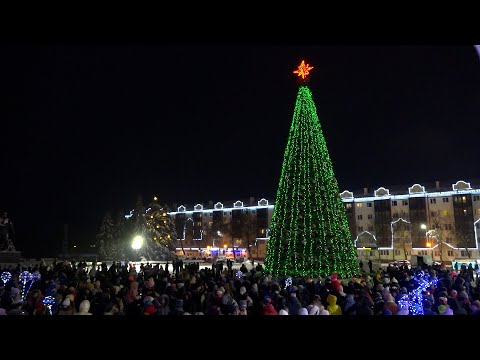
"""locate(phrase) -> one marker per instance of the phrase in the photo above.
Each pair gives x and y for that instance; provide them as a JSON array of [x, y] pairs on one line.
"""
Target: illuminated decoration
[[477, 47], [416, 189], [415, 297], [288, 282], [181, 208], [309, 233], [198, 207], [24, 277], [396, 221], [461, 185], [34, 277], [263, 202], [218, 206], [363, 244], [238, 204], [303, 70], [346, 195], [381, 191], [160, 234], [185, 230], [155, 198], [49, 301], [6, 276], [239, 274]]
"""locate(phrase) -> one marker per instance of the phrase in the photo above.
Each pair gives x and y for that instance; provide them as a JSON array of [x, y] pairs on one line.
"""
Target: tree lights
[[309, 232]]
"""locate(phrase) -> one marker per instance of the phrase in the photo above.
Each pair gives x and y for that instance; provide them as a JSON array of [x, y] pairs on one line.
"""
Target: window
[[384, 252], [394, 203], [433, 213], [397, 252], [370, 216], [445, 200], [359, 204], [448, 226], [464, 253], [370, 227], [404, 202], [433, 201], [359, 217], [422, 252], [464, 211], [477, 211], [437, 253], [360, 228], [370, 204], [408, 252], [464, 199], [348, 206], [476, 198], [448, 239], [450, 253]]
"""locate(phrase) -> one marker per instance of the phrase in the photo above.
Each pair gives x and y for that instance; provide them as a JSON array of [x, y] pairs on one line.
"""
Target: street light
[[428, 244], [137, 242]]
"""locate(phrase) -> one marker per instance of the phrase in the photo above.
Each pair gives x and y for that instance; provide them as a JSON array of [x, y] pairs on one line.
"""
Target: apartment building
[[386, 224]]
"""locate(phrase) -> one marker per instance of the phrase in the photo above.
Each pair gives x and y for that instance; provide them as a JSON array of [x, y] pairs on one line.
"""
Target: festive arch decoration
[[371, 240], [238, 204], [181, 208], [218, 206], [198, 207], [263, 202]]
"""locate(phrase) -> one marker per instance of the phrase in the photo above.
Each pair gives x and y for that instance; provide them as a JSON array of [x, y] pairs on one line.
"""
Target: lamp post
[[137, 243], [428, 244]]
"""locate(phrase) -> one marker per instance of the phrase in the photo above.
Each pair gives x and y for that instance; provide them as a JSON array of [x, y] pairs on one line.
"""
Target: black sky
[[86, 128]]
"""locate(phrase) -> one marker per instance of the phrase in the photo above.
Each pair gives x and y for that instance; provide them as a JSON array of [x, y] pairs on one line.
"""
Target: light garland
[[309, 233], [239, 274], [414, 298], [6, 276], [34, 277]]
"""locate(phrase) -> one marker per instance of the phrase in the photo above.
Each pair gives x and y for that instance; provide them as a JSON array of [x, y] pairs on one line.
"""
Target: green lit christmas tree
[[309, 234]]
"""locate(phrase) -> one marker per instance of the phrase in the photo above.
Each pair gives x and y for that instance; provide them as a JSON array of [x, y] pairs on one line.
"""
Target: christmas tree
[[309, 232], [105, 238], [161, 230], [148, 249]]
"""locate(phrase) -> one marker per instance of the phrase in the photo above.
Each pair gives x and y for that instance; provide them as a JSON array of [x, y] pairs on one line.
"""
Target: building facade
[[386, 224]]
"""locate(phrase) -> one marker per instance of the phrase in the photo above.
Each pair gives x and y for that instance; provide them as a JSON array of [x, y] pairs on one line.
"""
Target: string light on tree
[[309, 233], [6, 276]]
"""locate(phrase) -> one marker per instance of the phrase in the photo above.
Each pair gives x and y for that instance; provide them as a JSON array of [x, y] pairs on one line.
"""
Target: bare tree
[[249, 231], [441, 231], [402, 235]]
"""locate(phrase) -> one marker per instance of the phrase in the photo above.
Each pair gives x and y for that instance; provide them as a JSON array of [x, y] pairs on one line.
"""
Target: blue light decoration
[[415, 297], [49, 301], [6, 276], [25, 277], [288, 282], [239, 274], [34, 277]]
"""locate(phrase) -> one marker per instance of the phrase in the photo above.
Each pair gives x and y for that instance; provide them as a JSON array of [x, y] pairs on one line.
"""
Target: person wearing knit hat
[[443, 310], [283, 312], [302, 311]]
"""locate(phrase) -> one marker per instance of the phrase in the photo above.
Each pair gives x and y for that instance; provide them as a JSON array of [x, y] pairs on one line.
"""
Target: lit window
[[433, 201], [359, 204], [370, 216], [404, 202]]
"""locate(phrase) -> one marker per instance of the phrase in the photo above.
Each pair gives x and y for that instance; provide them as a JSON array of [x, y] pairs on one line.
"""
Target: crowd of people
[[188, 290]]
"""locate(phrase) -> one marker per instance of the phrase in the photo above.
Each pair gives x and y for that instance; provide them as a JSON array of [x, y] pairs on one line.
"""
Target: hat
[[302, 311], [283, 312], [66, 302], [243, 290], [242, 303]]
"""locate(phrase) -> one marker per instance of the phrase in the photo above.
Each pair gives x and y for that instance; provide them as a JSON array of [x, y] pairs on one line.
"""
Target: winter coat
[[332, 307]]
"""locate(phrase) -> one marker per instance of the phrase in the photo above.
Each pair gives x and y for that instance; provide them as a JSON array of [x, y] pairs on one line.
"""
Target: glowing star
[[303, 70]]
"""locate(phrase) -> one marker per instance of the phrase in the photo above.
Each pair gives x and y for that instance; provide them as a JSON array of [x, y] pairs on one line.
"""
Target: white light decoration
[[181, 208], [198, 207], [416, 189], [346, 194], [394, 222], [461, 185], [238, 204], [137, 242], [381, 191], [218, 206], [263, 202], [476, 232], [288, 282], [369, 233]]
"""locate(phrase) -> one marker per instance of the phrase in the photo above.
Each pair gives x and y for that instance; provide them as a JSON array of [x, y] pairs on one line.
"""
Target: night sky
[[86, 128]]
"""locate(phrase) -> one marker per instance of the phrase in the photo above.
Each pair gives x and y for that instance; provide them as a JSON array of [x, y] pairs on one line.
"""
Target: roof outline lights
[[238, 204], [416, 189], [364, 232], [218, 206], [381, 191], [181, 208], [198, 207], [263, 202], [346, 195], [393, 222], [461, 185], [476, 232]]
